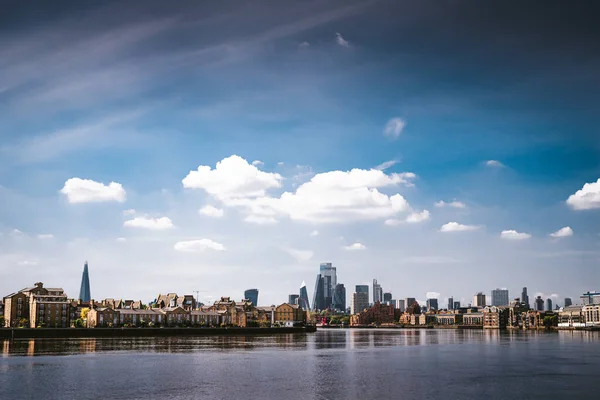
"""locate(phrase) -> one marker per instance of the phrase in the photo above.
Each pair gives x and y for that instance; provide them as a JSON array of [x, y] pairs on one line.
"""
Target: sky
[[221, 146]]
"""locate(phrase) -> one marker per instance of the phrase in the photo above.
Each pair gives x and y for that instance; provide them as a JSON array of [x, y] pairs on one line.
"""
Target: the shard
[[84, 292]]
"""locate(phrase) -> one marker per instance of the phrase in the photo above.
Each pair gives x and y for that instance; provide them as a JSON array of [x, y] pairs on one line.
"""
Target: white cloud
[[88, 191], [392, 222], [494, 163], [341, 41], [258, 163], [394, 128], [586, 198], [121, 239], [514, 235], [260, 220], [314, 233], [130, 211], [27, 262], [562, 232], [385, 165], [417, 217], [199, 245], [211, 211], [299, 255], [45, 236], [455, 204], [355, 246], [147, 222], [16, 233], [232, 178], [280, 163], [304, 44], [456, 227], [432, 295]]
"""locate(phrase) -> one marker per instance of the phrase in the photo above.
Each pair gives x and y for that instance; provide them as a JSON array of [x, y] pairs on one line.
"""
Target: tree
[[22, 323], [84, 313]]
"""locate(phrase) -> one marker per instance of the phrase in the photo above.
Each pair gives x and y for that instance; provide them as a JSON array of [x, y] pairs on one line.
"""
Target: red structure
[[378, 314]]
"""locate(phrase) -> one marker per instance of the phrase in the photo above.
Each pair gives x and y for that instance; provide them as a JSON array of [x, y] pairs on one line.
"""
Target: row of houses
[[38, 306]]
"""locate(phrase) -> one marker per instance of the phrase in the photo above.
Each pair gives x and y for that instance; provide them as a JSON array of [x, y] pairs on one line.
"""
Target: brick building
[[378, 314]]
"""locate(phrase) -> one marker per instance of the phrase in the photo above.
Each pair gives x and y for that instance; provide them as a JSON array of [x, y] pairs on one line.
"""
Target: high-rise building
[[400, 305], [432, 304], [252, 295], [339, 297], [377, 292], [84, 291], [303, 299], [362, 289], [500, 297], [328, 272], [590, 298], [319, 294], [387, 297], [409, 301], [568, 302], [548, 304], [479, 300], [525, 297], [359, 301], [539, 303], [450, 303], [293, 299], [456, 305]]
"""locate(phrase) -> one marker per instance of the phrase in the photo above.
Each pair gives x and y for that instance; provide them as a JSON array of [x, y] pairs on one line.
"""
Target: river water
[[328, 364]]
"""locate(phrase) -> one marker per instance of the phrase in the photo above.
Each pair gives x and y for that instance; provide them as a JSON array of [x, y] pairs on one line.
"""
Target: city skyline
[[387, 137]]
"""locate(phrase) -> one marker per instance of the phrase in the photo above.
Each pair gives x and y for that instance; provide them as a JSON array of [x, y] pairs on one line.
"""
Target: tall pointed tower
[[84, 292]]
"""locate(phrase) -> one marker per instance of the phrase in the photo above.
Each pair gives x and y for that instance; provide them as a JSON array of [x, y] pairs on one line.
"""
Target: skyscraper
[[479, 300], [303, 299], [400, 305], [525, 297], [252, 295], [319, 294], [539, 303], [456, 305], [500, 297], [568, 302], [339, 297], [450, 303], [409, 301], [328, 272], [387, 297], [377, 292], [293, 299], [359, 301], [432, 304], [548, 304], [84, 291]]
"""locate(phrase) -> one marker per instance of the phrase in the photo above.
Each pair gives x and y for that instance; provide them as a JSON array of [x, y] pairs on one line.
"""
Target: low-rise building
[[592, 314], [571, 317], [289, 314], [449, 318], [473, 319], [204, 318], [377, 314], [427, 318], [494, 317], [102, 317]]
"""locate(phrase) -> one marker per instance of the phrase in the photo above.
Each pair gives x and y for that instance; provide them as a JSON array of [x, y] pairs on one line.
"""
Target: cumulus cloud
[[45, 236], [394, 128], [258, 163], [232, 178], [586, 198], [514, 235], [355, 246], [432, 295], [121, 239], [494, 163], [341, 41], [456, 227], [385, 165], [314, 233], [417, 217], [299, 255], [454, 204], [211, 211], [562, 232], [260, 220], [199, 245], [88, 191], [146, 222], [130, 211]]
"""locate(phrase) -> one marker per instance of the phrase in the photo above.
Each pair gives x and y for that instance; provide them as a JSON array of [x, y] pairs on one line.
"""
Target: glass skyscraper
[[500, 297], [252, 295], [339, 297], [319, 294], [84, 291], [293, 299], [329, 275], [303, 299], [377, 292]]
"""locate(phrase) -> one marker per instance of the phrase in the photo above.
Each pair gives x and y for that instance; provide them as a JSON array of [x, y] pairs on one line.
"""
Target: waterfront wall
[[53, 333]]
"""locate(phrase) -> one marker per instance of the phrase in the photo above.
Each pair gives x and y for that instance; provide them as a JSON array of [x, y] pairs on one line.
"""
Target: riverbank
[[67, 333]]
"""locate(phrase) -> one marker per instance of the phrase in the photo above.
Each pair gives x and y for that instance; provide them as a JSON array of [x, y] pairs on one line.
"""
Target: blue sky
[[144, 95]]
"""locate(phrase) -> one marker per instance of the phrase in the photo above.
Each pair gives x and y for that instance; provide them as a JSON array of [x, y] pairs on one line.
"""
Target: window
[[20, 300]]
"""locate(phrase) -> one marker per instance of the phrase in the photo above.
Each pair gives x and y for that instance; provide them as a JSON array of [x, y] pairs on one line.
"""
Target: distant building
[[319, 294], [377, 314], [329, 275], [479, 300], [362, 289], [525, 297], [591, 313], [432, 304], [84, 291], [293, 299], [409, 301], [495, 317], [377, 292], [359, 302], [500, 297], [590, 298], [568, 302], [303, 299], [400, 305], [456, 305], [339, 297], [548, 304], [450, 303], [387, 297], [252, 295], [539, 303]]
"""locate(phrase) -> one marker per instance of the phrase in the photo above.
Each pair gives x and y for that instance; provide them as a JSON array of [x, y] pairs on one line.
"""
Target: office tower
[[339, 297], [525, 297], [84, 291], [456, 305], [432, 304], [479, 300], [359, 301], [409, 301], [400, 305], [548, 304], [293, 299], [568, 302], [362, 289], [319, 294], [590, 298], [387, 297], [539, 303], [377, 292], [303, 299], [450, 303], [500, 297], [252, 295]]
